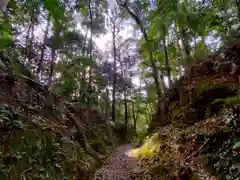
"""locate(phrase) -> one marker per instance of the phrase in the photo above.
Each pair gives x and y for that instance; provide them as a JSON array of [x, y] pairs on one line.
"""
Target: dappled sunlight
[[149, 148], [132, 152]]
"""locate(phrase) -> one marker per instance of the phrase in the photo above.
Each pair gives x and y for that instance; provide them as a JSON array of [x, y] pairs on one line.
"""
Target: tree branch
[[134, 16]]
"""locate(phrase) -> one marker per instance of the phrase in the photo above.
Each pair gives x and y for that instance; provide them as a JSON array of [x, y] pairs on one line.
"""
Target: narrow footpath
[[121, 166]]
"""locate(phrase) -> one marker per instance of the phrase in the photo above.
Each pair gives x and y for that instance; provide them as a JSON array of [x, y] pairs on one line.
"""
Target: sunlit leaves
[[236, 145], [83, 10], [5, 38], [55, 9]]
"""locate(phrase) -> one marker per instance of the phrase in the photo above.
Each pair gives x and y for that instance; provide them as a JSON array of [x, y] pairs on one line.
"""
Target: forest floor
[[158, 157], [121, 165]]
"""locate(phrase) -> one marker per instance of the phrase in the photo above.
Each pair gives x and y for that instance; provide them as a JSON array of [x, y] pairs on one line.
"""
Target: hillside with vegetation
[[119, 89]]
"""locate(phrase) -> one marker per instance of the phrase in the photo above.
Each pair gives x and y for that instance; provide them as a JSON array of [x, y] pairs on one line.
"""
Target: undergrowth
[[29, 152]]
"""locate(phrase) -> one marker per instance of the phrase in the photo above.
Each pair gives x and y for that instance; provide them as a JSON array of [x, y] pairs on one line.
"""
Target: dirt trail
[[121, 166]]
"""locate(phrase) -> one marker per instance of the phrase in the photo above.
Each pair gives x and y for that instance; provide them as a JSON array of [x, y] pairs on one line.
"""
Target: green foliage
[[6, 35], [71, 59], [208, 86], [236, 145], [42, 152], [55, 9], [7, 118], [224, 161], [34, 153], [229, 101]]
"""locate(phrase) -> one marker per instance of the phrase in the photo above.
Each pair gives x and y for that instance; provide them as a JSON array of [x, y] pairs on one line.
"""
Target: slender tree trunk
[[39, 69], [134, 117], [28, 33], [125, 110], [53, 54], [84, 43], [86, 143], [28, 42], [185, 47], [83, 83], [167, 64], [237, 2], [155, 70], [83, 78], [114, 75], [30, 45], [181, 58], [90, 46], [106, 99]]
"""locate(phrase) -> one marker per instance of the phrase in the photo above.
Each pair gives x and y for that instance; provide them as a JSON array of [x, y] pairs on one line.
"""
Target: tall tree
[[138, 21], [114, 23]]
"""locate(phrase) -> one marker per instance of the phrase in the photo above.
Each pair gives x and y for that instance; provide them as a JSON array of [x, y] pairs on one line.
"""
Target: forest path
[[121, 166]]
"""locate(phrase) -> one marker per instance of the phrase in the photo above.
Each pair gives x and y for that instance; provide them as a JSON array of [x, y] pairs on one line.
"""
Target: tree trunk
[[90, 46], [237, 2], [83, 82], [87, 145], [125, 110], [134, 117], [53, 54], [180, 60], [150, 52], [185, 47], [106, 103], [29, 45], [114, 75], [39, 69], [167, 64], [84, 43], [154, 67]]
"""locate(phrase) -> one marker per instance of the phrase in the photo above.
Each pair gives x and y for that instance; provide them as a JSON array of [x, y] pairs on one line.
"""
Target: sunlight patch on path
[[133, 153]]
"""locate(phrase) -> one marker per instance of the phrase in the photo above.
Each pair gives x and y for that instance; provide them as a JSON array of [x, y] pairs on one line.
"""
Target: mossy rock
[[204, 94], [218, 104], [227, 101]]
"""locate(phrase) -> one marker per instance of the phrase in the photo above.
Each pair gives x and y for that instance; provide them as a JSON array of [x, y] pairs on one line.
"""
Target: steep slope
[[45, 137], [197, 135]]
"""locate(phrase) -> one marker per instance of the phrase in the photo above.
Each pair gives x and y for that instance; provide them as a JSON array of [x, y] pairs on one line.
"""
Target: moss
[[232, 100], [218, 104], [206, 86], [208, 113], [205, 94]]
